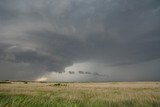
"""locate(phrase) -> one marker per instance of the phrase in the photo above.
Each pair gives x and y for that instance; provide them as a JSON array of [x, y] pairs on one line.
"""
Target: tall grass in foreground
[[80, 95]]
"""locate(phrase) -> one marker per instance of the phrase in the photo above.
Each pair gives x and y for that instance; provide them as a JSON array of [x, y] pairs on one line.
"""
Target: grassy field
[[111, 94]]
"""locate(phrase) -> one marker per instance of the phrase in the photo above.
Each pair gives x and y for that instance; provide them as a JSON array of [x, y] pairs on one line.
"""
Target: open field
[[111, 94]]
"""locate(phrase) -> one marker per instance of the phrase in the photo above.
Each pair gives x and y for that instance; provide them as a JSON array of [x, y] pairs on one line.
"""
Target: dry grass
[[112, 94]]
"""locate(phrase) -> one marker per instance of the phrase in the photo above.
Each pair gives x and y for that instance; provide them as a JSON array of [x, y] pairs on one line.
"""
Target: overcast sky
[[80, 40]]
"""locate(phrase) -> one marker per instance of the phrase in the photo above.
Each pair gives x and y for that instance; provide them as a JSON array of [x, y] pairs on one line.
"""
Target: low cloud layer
[[42, 36]]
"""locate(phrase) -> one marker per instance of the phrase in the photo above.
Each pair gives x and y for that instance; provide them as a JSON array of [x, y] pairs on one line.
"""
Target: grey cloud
[[88, 72], [71, 72], [95, 73], [81, 72], [54, 34]]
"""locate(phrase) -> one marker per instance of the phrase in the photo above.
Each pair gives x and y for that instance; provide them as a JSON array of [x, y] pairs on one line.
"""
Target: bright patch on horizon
[[42, 79]]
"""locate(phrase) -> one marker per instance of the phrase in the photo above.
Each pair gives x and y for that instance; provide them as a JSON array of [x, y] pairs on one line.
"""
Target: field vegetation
[[111, 94]]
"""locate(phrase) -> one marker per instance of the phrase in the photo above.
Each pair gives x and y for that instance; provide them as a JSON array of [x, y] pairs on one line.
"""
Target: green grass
[[80, 95]]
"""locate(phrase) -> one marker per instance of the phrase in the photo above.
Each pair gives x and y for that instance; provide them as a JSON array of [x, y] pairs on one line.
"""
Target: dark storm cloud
[[49, 35]]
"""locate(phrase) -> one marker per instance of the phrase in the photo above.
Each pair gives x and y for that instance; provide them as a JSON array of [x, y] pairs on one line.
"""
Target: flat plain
[[109, 94]]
